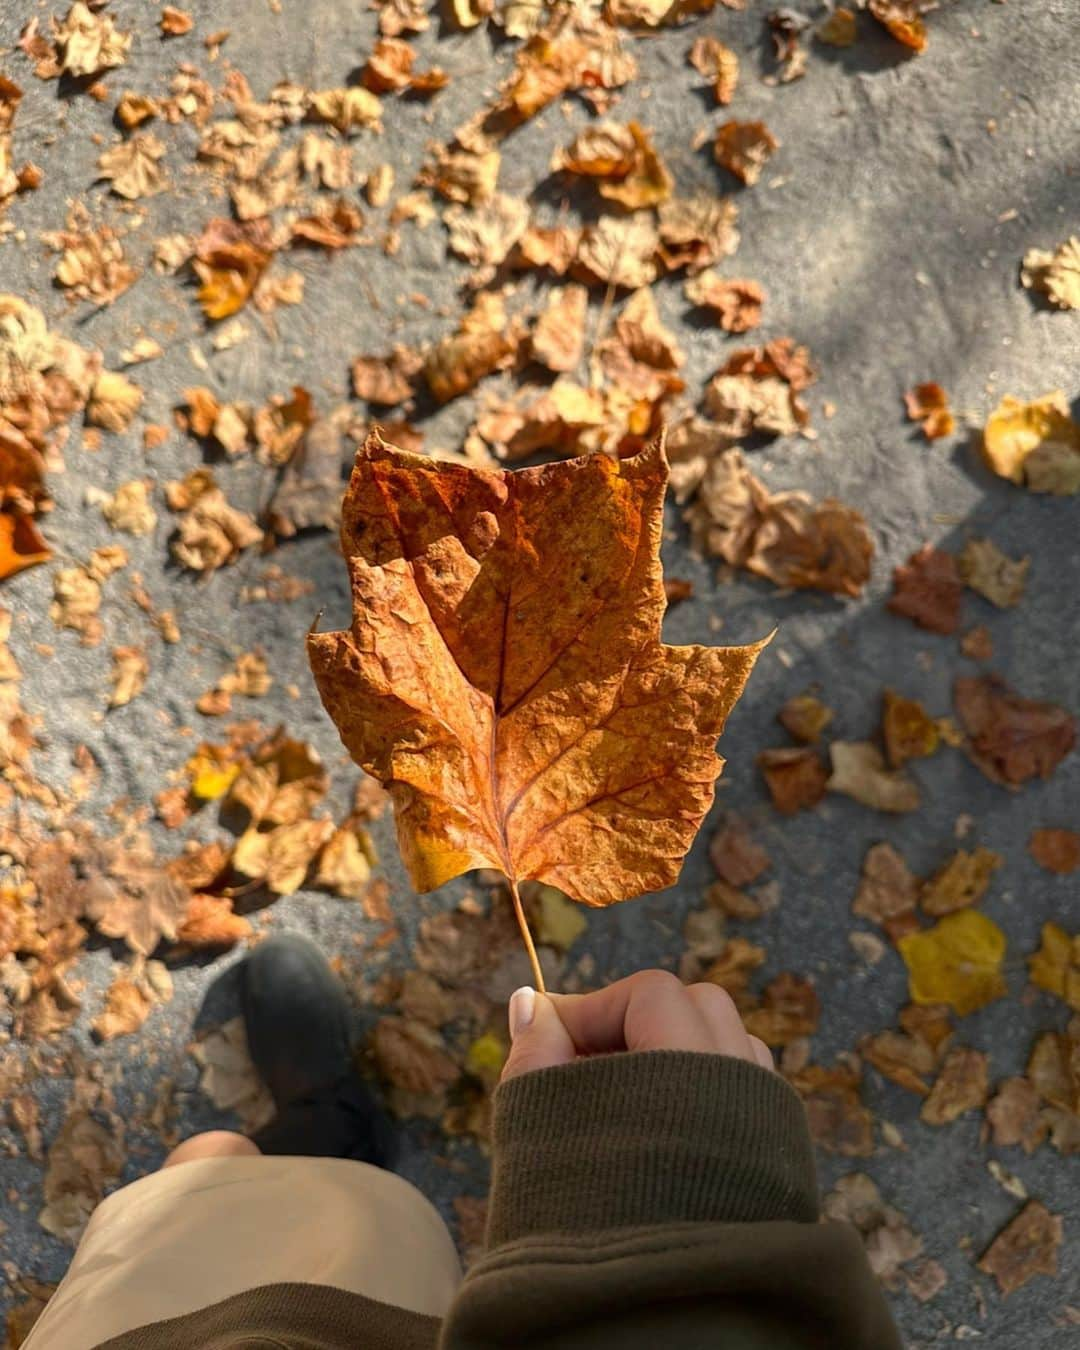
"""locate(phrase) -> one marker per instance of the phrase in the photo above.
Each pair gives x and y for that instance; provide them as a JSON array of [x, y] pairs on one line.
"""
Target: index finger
[[646, 1011]]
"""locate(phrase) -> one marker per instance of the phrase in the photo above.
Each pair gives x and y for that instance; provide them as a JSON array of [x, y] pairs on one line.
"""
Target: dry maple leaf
[[735, 302], [1026, 1247], [929, 404], [1012, 738], [1056, 850], [928, 590], [1056, 274], [1014, 1115], [717, 63], [132, 166], [1037, 443], [504, 679], [87, 43], [993, 574], [744, 148], [957, 962], [888, 889]]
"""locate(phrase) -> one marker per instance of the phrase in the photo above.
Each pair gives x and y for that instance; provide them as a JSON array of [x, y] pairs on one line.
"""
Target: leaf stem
[[523, 924]]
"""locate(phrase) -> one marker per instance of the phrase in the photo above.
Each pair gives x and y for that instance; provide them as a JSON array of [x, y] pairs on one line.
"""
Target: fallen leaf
[[413, 1056], [738, 858], [1012, 739], [757, 391], [858, 771], [795, 777], [839, 1122], [309, 493], [1056, 274], [789, 1008], [622, 160], [345, 862], [1055, 967], [484, 342], [230, 258], [957, 962], [1014, 1115], [1056, 850], [962, 1085], [736, 303], [888, 889], [84, 1158], [571, 806], [907, 729], [87, 43], [805, 717], [618, 252], [386, 380], [556, 921], [210, 532], [132, 166], [929, 405], [994, 574], [1035, 443], [175, 22], [928, 590], [389, 69], [887, 1236], [1026, 1247], [131, 998], [128, 675], [113, 402], [462, 174], [333, 225], [348, 109], [903, 20], [786, 537], [559, 334], [962, 881], [902, 1058], [744, 148], [718, 64], [129, 509], [229, 1078], [838, 29]]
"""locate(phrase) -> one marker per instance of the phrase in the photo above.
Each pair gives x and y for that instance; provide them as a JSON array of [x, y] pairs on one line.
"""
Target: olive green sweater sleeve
[[664, 1198]]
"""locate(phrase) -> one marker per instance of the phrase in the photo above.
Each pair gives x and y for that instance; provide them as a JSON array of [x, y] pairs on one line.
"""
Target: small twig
[[523, 924]]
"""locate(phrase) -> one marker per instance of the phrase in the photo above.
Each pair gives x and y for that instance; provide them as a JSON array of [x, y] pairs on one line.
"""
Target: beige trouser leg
[[194, 1234]]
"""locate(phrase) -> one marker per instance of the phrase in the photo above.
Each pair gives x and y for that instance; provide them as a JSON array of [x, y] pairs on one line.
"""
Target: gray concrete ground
[[887, 231]]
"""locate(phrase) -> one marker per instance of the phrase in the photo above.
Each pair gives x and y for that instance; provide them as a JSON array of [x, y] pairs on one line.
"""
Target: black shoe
[[297, 1020]]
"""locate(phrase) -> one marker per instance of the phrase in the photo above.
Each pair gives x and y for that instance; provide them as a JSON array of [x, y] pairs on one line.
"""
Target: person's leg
[[212, 1144]]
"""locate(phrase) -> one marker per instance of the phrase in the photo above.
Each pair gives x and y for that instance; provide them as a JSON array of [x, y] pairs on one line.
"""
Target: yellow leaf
[[1055, 967], [485, 1058], [1038, 441], [957, 962], [210, 772], [557, 921]]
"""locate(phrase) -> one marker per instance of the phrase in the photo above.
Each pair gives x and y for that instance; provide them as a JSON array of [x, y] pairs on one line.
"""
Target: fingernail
[[521, 1010]]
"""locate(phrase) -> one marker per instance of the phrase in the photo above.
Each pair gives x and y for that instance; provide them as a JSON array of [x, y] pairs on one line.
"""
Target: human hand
[[652, 1010]]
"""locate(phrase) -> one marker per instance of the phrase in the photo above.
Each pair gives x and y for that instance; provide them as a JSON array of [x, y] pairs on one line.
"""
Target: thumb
[[538, 1038]]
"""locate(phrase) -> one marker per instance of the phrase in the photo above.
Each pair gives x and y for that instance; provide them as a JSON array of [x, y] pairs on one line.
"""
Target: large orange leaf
[[504, 675]]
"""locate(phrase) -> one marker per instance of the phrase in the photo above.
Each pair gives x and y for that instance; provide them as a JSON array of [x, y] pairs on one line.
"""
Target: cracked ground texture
[[887, 231]]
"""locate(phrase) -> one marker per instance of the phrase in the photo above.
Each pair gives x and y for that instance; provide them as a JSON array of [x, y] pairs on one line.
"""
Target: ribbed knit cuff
[[647, 1138]]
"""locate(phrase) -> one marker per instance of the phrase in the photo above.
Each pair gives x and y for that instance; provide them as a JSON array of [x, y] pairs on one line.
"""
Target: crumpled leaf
[[84, 1158], [839, 1122], [210, 924], [929, 405], [1012, 738], [957, 962], [389, 68], [786, 537], [132, 166], [695, 232], [518, 730], [113, 402], [1056, 850], [737, 856], [1026, 1247], [131, 998], [333, 225], [994, 574], [1055, 967], [387, 380], [903, 20], [927, 589], [889, 1240], [1056, 273], [744, 148], [622, 160], [962, 1085], [789, 1008], [805, 717], [858, 771], [962, 881], [348, 109], [280, 858], [21, 544], [87, 42], [1034, 443], [559, 335], [484, 235], [619, 252], [210, 532], [795, 777], [128, 675], [757, 390], [413, 1056], [485, 341], [1015, 1117], [736, 302], [230, 258], [908, 730], [718, 64], [888, 889], [345, 862], [229, 1077]]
